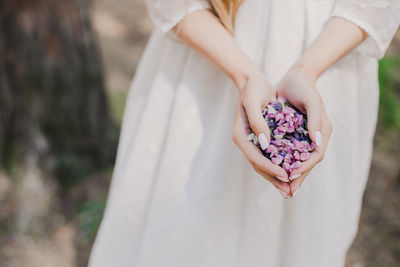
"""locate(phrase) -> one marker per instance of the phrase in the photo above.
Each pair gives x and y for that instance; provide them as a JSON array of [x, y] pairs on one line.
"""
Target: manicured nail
[[318, 138], [262, 139], [283, 194], [295, 176], [283, 179], [294, 193], [251, 137]]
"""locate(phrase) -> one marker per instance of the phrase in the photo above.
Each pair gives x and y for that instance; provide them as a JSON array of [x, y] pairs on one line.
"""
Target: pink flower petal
[[279, 116], [297, 144], [286, 166], [277, 160], [291, 129], [295, 165], [271, 148], [287, 160], [305, 156], [282, 129], [304, 144]]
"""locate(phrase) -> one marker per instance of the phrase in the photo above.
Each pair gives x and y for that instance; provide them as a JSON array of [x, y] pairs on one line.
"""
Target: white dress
[[182, 193]]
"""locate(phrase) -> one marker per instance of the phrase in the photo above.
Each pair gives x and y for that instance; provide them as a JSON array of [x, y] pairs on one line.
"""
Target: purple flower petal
[[290, 143]]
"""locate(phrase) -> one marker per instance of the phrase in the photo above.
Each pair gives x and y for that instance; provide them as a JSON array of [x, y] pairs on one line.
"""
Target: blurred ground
[[123, 28]]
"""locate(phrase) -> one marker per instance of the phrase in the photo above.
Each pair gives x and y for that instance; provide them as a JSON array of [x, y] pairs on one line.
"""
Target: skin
[[203, 32], [338, 38]]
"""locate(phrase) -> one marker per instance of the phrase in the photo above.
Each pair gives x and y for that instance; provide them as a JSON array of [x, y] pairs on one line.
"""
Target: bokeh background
[[65, 69]]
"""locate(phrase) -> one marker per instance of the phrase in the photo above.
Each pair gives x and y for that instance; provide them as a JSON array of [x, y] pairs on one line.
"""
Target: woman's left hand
[[299, 89]]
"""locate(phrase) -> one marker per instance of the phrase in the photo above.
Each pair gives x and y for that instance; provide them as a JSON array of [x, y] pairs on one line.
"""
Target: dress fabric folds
[[182, 194]]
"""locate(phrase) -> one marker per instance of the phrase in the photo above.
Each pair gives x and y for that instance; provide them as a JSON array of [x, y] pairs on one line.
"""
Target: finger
[[258, 123], [241, 122], [281, 186], [258, 160], [314, 110], [306, 165], [252, 152], [316, 155], [294, 185], [254, 107]]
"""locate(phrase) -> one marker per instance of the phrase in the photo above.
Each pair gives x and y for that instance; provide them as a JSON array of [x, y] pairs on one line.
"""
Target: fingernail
[[318, 138], [251, 137], [283, 179], [295, 176], [262, 139], [283, 194], [294, 193]]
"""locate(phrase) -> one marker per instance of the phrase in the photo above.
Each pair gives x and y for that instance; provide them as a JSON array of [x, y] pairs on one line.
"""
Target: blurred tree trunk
[[55, 126], [51, 85]]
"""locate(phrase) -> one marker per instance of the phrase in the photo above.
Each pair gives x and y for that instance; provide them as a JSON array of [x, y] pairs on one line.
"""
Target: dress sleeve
[[379, 18], [165, 14]]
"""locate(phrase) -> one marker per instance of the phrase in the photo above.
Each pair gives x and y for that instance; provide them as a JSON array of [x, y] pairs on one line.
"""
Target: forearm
[[203, 32], [337, 39]]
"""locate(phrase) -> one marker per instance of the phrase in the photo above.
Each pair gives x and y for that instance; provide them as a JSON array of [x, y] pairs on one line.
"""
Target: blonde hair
[[226, 11]]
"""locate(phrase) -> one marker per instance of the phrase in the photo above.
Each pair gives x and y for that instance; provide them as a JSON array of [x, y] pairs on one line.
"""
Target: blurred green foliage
[[389, 83], [90, 214], [117, 100]]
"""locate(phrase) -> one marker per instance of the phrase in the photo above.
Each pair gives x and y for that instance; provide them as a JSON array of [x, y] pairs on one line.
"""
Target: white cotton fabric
[[167, 13], [182, 194], [379, 18]]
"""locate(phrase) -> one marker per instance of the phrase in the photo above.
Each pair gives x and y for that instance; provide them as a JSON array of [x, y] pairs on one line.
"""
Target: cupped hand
[[254, 97], [299, 89]]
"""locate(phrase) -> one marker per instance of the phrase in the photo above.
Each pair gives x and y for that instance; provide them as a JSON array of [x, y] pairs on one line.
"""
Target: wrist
[[307, 70], [240, 78]]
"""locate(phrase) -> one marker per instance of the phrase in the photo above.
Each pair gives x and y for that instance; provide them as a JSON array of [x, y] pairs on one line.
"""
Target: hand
[[299, 89], [254, 97]]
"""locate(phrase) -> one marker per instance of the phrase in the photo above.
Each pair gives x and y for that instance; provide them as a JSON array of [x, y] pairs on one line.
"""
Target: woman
[[183, 194]]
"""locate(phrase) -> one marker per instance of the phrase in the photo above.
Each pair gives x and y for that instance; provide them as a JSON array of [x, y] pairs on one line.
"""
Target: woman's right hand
[[254, 97]]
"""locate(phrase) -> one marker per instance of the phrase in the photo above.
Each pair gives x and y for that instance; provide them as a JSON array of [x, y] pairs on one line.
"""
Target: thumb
[[314, 121], [258, 124]]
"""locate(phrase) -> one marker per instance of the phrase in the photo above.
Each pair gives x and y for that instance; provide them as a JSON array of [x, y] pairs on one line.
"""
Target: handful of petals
[[290, 143]]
